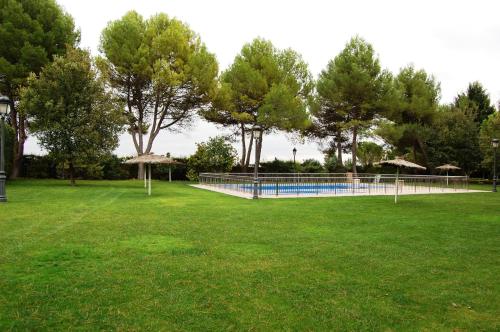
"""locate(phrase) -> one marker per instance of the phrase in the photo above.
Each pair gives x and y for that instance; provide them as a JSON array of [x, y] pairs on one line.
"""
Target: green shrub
[[311, 166], [279, 166], [38, 167], [179, 172], [215, 155], [114, 169]]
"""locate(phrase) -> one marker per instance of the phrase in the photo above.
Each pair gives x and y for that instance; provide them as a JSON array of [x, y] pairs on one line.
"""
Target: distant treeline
[[112, 167]]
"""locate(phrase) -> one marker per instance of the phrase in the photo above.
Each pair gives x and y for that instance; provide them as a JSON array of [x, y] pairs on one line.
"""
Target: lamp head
[[257, 131], [4, 105], [495, 143], [294, 151]]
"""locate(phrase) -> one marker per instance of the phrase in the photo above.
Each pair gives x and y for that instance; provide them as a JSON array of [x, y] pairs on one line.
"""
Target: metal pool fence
[[302, 184]]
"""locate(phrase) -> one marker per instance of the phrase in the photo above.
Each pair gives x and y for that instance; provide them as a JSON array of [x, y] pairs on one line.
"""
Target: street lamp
[[4, 110], [169, 169], [257, 131], [294, 154], [494, 144]]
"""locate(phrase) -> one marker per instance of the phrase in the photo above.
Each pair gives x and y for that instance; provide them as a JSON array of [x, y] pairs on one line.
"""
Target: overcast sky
[[456, 41]]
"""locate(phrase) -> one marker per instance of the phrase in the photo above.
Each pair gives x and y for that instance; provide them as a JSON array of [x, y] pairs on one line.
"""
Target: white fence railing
[[281, 184]]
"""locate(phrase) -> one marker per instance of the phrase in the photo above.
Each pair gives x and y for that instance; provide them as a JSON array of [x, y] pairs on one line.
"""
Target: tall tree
[[162, 72], [327, 124], [454, 139], [222, 112], [490, 128], [476, 98], [369, 153], [353, 90], [264, 86], [71, 114], [418, 96], [32, 32]]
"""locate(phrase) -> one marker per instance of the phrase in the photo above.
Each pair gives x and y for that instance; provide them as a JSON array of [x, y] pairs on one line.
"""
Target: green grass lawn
[[103, 255]]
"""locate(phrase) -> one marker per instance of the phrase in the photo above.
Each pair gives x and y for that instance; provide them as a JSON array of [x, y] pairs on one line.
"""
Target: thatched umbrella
[[447, 168], [400, 162], [149, 159]]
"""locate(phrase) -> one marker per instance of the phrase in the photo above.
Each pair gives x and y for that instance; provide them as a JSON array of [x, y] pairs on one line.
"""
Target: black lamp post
[[494, 144], [294, 154], [4, 110], [257, 131]]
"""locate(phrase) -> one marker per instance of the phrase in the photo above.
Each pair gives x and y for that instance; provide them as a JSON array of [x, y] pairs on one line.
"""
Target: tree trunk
[[139, 147], [140, 171], [354, 149], [415, 152], [243, 146], [249, 152], [339, 153], [19, 124], [71, 173], [424, 153], [259, 150]]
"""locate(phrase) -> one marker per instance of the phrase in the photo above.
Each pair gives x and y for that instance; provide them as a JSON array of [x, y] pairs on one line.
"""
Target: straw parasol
[[447, 168], [151, 158], [400, 162]]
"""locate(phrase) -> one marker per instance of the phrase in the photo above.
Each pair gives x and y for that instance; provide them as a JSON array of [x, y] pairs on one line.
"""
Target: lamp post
[[169, 169], [294, 154], [494, 144], [4, 110], [257, 131], [294, 151]]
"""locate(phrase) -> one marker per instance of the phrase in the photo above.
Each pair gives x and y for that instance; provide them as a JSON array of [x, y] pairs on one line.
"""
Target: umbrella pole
[[145, 175], [397, 186], [169, 173], [149, 186], [447, 178]]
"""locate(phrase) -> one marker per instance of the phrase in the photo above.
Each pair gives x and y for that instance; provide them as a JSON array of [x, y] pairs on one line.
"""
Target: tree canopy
[[476, 98], [71, 114], [160, 69], [416, 101], [454, 139], [264, 86], [490, 129], [352, 91], [327, 121], [369, 153], [32, 32]]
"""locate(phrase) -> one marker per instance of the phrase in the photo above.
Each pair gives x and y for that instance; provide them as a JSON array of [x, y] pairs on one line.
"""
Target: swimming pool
[[330, 184], [305, 188]]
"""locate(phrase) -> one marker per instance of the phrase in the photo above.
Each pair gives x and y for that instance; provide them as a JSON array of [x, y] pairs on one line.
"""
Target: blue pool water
[[291, 189]]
